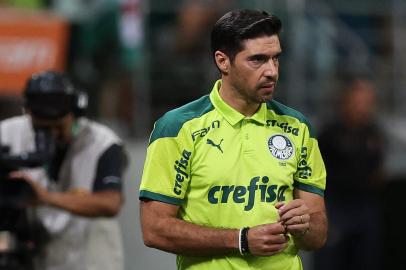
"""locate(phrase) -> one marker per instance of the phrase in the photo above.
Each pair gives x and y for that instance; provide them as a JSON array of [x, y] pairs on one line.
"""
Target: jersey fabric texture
[[75, 242], [226, 170]]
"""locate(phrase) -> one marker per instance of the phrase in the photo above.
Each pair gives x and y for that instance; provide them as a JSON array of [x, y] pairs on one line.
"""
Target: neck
[[237, 101]]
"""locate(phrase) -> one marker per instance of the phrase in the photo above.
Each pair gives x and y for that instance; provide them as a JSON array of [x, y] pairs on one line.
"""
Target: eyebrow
[[263, 56], [278, 54], [258, 56]]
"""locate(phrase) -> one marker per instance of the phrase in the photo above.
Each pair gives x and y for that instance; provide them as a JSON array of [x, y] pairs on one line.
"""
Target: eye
[[258, 59], [276, 58]]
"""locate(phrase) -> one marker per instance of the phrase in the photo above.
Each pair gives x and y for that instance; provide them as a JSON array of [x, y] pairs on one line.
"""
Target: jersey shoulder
[[283, 110], [172, 122]]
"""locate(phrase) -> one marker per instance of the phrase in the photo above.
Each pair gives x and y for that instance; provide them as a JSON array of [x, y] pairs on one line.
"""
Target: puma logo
[[215, 145]]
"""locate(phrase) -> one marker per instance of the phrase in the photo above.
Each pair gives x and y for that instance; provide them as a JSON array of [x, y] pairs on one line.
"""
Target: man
[[235, 180], [353, 143], [78, 191]]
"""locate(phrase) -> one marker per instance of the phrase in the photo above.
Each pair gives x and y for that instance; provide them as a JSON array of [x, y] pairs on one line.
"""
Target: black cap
[[49, 95]]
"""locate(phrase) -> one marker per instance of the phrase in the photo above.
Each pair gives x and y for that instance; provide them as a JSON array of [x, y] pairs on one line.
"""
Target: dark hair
[[51, 95], [239, 25]]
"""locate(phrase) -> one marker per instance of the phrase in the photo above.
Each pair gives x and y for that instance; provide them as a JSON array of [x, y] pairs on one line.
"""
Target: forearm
[[181, 237], [106, 203], [316, 236], [168, 233]]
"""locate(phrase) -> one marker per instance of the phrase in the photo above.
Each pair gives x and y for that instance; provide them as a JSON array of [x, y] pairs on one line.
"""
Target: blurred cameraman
[[79, 190]]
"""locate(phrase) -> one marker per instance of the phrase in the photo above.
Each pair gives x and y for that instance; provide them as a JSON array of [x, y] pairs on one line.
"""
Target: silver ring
[[301, 219]]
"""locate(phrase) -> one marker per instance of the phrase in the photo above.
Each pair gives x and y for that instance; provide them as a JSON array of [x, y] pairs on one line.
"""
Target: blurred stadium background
[[138, 59]]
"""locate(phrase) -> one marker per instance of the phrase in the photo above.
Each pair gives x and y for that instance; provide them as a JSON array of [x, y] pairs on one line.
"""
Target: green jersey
[[226, 170]]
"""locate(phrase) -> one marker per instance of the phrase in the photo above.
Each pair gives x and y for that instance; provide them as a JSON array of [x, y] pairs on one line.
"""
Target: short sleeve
[[110, 168], [166, 173], [311, 171]]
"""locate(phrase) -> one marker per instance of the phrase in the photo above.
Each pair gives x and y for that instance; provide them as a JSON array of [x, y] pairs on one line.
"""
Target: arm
[[105, 199], [82, 203], [305, 218], [162, 229], [96, 204]]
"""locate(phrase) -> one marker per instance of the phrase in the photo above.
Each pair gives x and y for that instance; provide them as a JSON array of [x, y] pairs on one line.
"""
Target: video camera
[[21, 235]]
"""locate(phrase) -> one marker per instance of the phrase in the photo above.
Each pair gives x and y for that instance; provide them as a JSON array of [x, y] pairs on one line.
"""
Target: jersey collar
[[230, 114]]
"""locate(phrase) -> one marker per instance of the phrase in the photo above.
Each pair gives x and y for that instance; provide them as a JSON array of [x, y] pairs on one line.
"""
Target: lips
[[269, 86]]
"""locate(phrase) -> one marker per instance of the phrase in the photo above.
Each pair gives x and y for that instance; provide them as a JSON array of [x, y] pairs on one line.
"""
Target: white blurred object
[[80, 10], [395, 132], [7, 242], [131, 34]]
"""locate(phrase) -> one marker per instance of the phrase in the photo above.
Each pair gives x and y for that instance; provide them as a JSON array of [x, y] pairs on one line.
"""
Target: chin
[[266, 98]]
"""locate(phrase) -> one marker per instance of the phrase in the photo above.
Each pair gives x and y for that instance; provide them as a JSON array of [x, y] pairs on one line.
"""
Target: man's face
[[359, 103], [61, 129], [255, 70]]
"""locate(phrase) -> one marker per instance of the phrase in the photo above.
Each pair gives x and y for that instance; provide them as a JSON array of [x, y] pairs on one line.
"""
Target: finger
[[293, 220], [300, 219], [275, 229], [277, 239], [271, 228], [298, 228], [293, 213], [279, 205], [290, 206]]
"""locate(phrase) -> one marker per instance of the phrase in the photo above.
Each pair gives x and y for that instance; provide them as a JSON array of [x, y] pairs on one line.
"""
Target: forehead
[[261, 45], [47, 122]]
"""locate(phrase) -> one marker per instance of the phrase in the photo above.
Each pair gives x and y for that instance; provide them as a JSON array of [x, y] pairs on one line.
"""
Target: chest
[[234, 155]]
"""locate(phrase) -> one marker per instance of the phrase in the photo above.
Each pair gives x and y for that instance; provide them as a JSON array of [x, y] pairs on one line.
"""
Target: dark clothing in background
[[353, 158]]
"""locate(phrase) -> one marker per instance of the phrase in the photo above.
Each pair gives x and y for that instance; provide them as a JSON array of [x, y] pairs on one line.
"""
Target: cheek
[[246, 76], [237, 76]]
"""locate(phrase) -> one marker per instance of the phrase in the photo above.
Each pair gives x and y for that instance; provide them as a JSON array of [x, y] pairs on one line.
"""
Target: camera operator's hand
[[41, 193]]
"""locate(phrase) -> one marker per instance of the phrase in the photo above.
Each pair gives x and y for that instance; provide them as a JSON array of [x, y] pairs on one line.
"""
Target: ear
[[222, 62]]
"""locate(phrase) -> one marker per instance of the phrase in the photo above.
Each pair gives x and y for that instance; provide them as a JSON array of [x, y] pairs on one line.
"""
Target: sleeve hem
[[308, 188], [144, 194]]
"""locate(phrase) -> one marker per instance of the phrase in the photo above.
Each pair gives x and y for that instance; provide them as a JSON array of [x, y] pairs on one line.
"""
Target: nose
[[271, 69]]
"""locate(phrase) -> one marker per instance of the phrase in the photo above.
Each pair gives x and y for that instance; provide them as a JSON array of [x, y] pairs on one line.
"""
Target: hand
[[267, 239], [40, 192], [294, 216]]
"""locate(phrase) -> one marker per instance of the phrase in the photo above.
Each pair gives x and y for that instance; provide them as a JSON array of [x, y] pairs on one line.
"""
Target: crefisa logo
[[281, 147]]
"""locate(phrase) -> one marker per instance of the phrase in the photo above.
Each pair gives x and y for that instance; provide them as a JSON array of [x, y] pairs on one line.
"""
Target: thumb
[[16, 174], [279, 205]]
